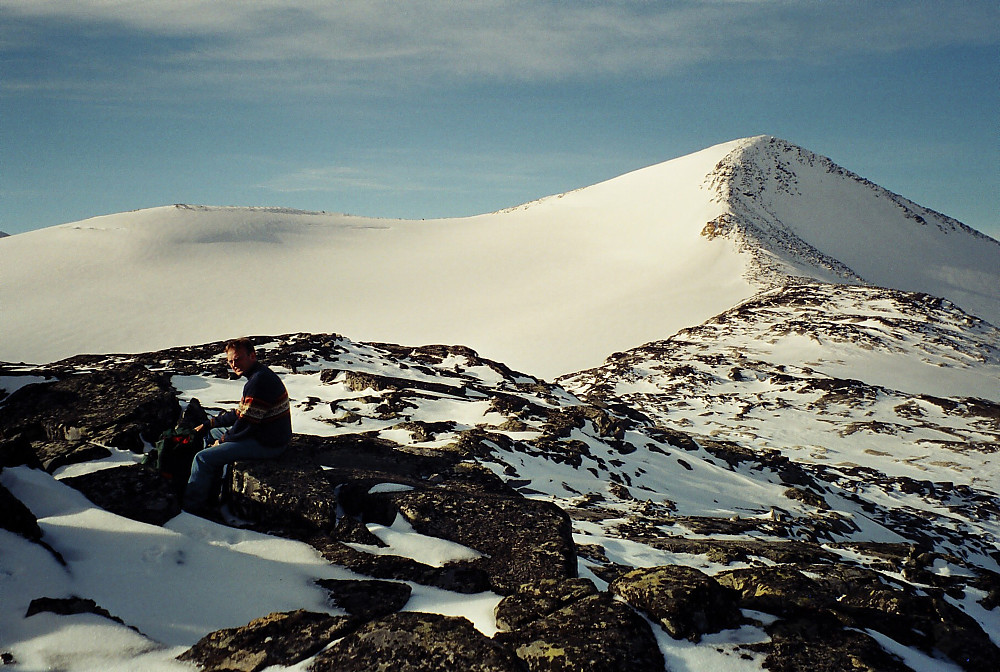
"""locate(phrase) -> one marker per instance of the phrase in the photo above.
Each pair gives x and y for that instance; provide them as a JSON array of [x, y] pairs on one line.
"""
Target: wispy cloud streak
[[323, 43]]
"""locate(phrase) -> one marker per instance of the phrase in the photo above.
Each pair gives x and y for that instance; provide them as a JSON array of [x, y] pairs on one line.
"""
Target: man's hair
[[242, 344]]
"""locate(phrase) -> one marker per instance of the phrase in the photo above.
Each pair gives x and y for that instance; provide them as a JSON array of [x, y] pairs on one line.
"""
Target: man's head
[[241, 355]]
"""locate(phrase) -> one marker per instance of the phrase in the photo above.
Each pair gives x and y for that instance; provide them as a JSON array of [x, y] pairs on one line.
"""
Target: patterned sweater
[[263, 413]]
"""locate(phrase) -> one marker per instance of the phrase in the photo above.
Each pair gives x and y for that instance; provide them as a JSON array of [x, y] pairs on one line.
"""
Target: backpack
[[175, 449]]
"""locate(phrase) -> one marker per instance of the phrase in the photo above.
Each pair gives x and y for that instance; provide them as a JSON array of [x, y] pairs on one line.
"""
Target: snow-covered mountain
[[761, 367], [549, 287]]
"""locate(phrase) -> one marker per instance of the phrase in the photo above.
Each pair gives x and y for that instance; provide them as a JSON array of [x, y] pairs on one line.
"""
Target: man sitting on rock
[[259, 428]]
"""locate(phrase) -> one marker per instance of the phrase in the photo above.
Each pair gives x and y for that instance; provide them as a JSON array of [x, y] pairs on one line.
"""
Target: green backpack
[[172, 457]]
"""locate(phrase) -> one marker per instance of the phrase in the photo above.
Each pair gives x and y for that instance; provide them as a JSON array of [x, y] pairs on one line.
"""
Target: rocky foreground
[[535, 480]]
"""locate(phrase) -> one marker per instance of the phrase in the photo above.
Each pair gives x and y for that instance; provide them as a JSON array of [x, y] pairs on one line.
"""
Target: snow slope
[[548, 287]]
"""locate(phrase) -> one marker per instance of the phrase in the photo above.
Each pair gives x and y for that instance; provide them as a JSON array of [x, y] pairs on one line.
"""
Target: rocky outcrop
[[858, 599], [65, 606], [76, 417], [520, 539], [570, 627], [416, 642], [686, 602], [131, 491], [513, 489], [275, 639]]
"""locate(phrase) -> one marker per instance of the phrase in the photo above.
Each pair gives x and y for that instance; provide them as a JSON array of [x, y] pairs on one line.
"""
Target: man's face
[[240, 361]]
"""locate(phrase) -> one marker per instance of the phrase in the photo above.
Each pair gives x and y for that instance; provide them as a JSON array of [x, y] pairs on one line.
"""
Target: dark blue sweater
[[263, 413]]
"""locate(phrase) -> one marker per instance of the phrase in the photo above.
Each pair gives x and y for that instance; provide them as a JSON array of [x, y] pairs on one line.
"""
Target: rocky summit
[[649, 514]]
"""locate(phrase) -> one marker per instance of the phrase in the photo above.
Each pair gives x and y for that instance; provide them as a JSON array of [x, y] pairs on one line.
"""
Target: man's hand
[[200, 428]]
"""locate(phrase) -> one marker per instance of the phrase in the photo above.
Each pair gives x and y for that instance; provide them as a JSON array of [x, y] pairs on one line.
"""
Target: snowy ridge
[[796, 213], [866, 386]]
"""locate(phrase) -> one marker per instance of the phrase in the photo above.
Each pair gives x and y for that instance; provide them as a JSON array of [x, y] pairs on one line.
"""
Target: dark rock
[[860, 598], [820, 645], [560, 423], [521, 540], [132, 491], [781, 589], [459, 577], [539, 599], [360, 381], [69, 606], [726, 551], [286, 493], [120, 407], [55, 454], [686, 602], [18, 451], [595, 634], [425, 431], [416, 642], [808, 497], [16, 517], [276, 639], [367, 599]]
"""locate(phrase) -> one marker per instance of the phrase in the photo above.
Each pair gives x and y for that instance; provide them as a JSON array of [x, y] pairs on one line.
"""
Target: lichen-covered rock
[[594, 634], [416, 642], [522, 540], [367, 599], [132, 491], [276, 639], [859, 598], [120, 407], [536, 600], [285, 493], [686, 602], [819, 644]]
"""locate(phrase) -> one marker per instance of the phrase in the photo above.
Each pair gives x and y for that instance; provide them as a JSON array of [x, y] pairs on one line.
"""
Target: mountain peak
[[797, 214]]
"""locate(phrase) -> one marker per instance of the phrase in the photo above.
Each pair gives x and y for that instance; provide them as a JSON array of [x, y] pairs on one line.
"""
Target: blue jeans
[[208, 465]]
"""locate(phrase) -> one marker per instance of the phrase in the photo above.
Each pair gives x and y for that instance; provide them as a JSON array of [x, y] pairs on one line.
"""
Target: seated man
[[260, 427]]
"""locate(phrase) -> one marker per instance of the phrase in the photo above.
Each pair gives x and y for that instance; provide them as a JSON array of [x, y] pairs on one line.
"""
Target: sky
[[445, 109]]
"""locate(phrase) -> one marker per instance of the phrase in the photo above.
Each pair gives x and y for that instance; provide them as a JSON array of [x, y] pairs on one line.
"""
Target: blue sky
[[431, 109]]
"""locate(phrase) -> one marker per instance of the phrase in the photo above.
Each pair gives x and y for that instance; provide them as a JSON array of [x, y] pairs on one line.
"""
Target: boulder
[[686, 602], [60, 453], [16, 452], [416, 642], [858, 598], [288, 493], [594, 634], [538, 599], [68, 606], [275, 639], [367, 599], [124, 406], [132, 491], [521, 540], [819, 645]]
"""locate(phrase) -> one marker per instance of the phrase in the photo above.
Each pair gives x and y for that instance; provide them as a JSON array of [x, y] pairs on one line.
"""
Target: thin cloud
[[326, 179], [506, 39]]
